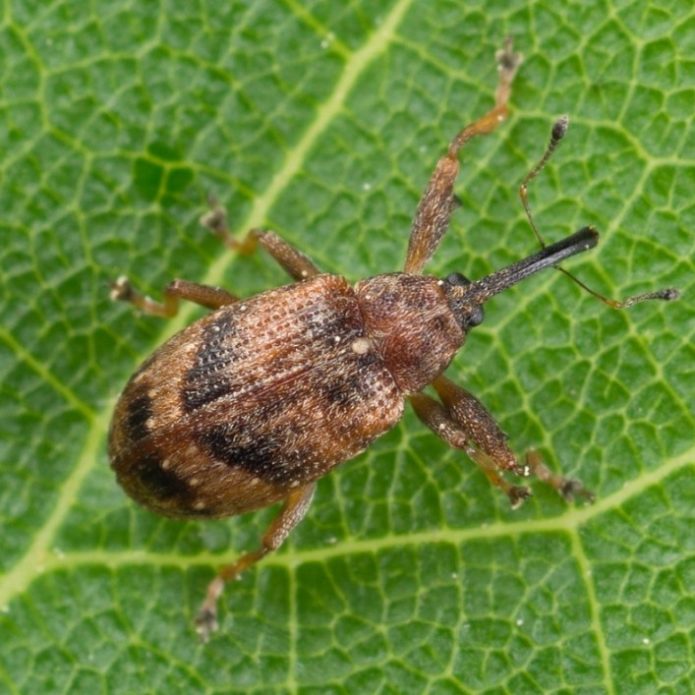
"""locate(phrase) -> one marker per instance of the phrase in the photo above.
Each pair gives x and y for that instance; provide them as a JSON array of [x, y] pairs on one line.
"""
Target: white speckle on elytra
[[442, 426], [199, 505], [192, 450], [215, 329], [153, 393], [336, 338], [165, 464], [254, 481], [193, 482], [151, 423], [243, 307], [361, 346]]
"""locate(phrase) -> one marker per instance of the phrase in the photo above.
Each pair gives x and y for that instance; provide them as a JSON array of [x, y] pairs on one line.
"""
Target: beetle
[[256, 401]]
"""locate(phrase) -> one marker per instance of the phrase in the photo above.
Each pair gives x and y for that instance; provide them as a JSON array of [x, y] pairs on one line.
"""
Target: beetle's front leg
[[463, 422], [438, 201], [291, 259], [293, 511], [471, 438]]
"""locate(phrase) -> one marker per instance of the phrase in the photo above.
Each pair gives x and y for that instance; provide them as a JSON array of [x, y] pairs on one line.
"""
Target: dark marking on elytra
[[261, 455], [339, 394], [139, 412], [205, 381], [324, 327], [161, 483], [340, 318], [345, 389], [367, 360]]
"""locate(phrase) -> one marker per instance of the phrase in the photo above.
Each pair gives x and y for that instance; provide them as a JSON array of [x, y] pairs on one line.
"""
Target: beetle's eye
[[457, 279], [476, 318]]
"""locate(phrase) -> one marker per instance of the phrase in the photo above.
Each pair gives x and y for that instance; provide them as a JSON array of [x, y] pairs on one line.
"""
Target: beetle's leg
[[471, 414], [290, 258], [438, 201], [292, 512], [205, 295], [455, 434], [463, 422]]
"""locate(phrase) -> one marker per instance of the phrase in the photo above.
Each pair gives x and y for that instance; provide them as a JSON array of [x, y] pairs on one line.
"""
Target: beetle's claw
[[507, 60], [206, 623], [215, 219], [518, 494], [121, 290], [571, 489]]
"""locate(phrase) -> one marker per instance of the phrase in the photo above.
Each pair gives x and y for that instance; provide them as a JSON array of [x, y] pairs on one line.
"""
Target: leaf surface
[[324, 120]]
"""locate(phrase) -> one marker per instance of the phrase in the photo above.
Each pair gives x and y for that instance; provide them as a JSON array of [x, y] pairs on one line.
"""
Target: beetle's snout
[[468, 311]]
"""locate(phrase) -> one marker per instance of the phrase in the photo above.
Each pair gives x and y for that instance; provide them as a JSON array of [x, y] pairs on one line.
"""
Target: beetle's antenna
[[558, 132]]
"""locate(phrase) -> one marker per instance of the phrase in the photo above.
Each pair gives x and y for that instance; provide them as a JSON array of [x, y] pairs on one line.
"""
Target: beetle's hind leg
[[291, 259], [462, 421], [438, 201], [205, 295], [293, 511]]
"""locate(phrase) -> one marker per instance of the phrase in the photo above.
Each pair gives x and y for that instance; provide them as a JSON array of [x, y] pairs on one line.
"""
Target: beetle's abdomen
[[254, 399]]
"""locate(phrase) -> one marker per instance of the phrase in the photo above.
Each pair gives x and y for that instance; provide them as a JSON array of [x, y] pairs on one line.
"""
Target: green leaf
[[324, 120]]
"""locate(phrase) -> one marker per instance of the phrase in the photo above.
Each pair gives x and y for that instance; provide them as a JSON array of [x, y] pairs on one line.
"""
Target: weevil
[[253, 403]]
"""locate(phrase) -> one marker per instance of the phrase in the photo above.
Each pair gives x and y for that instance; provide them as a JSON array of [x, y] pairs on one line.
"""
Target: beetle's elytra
[[254, 402]]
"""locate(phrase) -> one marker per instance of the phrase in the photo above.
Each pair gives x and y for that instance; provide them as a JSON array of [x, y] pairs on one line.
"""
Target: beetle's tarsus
[[121, 290], [508, 61], [568, 488], [206, 623], [571, 489], [215, 219], [518, 494]]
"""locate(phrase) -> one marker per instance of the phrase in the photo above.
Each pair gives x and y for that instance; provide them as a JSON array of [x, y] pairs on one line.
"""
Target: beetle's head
[[466, 298], [468, 313]]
